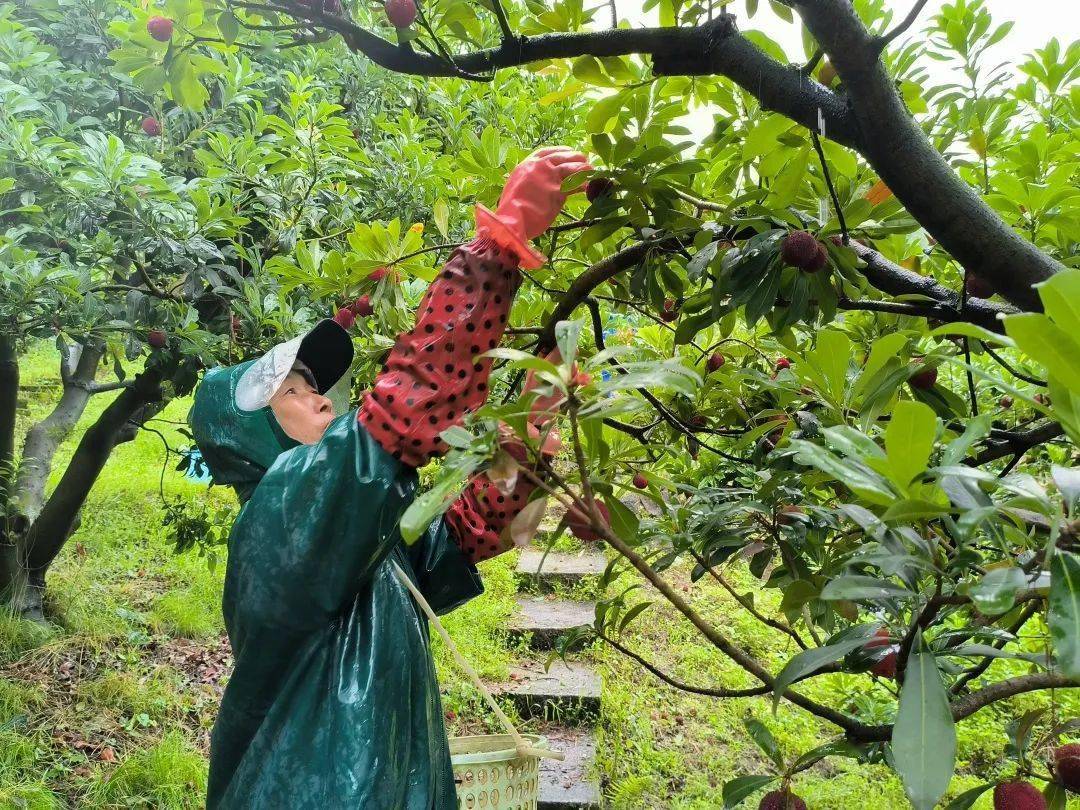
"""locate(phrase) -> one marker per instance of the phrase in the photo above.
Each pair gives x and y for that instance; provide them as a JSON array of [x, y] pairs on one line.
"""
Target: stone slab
[[558, 567], [547, 619], [569, 785], [569, 693]]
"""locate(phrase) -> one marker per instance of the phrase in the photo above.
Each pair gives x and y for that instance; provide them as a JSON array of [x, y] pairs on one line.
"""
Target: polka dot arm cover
[[433, 376], [479, 516]]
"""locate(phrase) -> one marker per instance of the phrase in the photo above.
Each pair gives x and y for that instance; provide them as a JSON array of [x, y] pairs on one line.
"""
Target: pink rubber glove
[[530, 201]]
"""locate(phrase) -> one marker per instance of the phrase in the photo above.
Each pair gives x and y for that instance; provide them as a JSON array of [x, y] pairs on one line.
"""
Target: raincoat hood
[[238, 446]]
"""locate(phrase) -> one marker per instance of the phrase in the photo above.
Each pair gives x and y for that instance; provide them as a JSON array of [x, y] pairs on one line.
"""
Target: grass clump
[[169, 775]]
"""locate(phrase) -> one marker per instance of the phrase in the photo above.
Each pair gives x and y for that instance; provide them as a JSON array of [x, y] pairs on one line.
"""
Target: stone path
[[566, 697]]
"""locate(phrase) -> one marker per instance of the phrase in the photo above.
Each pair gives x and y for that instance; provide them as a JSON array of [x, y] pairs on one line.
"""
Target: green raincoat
[[333, 702]]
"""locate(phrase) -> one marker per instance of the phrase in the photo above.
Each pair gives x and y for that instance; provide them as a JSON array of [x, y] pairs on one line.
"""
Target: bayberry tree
[[836, 341]]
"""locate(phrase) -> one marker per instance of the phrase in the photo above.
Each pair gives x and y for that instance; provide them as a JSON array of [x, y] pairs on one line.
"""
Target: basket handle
[[523, 747]]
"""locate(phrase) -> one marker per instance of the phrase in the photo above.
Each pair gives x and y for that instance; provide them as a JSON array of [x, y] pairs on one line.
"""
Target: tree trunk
[[44, 438], [9, 399], [58, 518]]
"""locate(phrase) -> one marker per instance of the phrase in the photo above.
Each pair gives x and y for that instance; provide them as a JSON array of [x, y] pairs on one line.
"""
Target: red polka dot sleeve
[[479, 516], [433, 376]]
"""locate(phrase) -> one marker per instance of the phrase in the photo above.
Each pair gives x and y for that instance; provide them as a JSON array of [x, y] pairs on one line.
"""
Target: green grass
[[101, 709]]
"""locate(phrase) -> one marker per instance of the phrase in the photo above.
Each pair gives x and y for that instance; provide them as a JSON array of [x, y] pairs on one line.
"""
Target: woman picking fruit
[[333, 700]]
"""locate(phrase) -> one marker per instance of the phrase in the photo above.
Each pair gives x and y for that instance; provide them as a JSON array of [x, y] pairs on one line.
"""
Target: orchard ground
[[113, 706]]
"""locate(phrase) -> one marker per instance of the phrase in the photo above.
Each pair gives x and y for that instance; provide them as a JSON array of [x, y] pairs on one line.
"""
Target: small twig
[[809, 67], [1005, 365], [829, 183], [504, 24], [882, 42]]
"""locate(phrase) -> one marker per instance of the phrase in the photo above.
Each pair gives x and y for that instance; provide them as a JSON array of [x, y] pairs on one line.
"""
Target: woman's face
[[301, 410]]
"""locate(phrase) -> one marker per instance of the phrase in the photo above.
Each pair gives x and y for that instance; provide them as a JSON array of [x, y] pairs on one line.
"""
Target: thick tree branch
[[891, 139], [1016, 444]]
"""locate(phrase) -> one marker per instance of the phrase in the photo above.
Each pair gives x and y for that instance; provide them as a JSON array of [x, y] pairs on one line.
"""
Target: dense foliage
[[843, 410]]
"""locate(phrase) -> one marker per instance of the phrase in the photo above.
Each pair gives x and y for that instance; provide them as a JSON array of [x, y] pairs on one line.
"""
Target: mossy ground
[[112, 705]]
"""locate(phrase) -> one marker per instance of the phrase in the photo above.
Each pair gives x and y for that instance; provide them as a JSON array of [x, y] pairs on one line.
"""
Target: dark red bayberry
[[598, 187], [821, 258], [401, 13], [1005, 403], [800, 249], [715, 362], [345, 318], [670, 311], [1018, 795], [156, 338], [378, 274], [640, 481], [781, 800], [361, 307], [1067, 766], [1042, 399], [923, 380], [581, 526], [978, 287], [160, 28], [783, 363], [151, 127]]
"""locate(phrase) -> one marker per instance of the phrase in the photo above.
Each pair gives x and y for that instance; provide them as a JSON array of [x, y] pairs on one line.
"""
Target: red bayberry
[[378, 274], [598, 187], [151, 126], [923, 380], [715, 362], [1018, 795], [156, 338], [581, 378], [781, 800], [697, 421], [345, 318], [821, 258], [670, 311], [401, 13], [1067, 766], [800, 249], [361, 307], [581, 526], [160, 28], [1005, 402], [783, 363], [640, 481], [235, 324], [978, 287], [1042, 399]]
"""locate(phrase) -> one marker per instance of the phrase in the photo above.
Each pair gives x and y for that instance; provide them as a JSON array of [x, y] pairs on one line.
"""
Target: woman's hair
[[305, 372]]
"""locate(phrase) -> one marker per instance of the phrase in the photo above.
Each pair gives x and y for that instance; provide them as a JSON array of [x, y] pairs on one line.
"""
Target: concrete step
[[534, 569], [568, 693], [547, 619], [569, 785]]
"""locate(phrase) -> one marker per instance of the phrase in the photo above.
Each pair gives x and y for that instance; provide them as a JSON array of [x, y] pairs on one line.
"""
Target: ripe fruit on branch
[[800, 249], [885, 667], [378, 274], [156, 338], [580, 379], [781, 800], [1005, 402], [923, 380], [361, 307], [598, 187], [783, 363], [640, 481], [345, 318], [715, 362], [1042, 399], [401, 13], [670, 311], [978, 287], [580, 524], [696, 421], [1067, 766], [160, 28], [151, 126], [1018, 795]]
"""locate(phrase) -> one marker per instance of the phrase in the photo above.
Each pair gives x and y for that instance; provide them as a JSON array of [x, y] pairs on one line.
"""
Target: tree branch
[[882, 42], [1018, 443]]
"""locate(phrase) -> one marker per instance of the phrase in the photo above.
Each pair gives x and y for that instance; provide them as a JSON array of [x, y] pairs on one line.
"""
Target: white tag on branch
[[526, 522], [504, 472]]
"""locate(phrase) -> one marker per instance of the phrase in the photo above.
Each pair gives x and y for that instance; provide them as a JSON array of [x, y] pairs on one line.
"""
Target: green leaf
[[623, 521], [740, 788], [1047, 343], [996, 592], [228, 25], [924, 736], [909, 438], [1061, 299], [441, 214], [815, 658], [1064, 610], [967, 798], [567, 334], [858, 586], [765, 740], [973, 331]]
